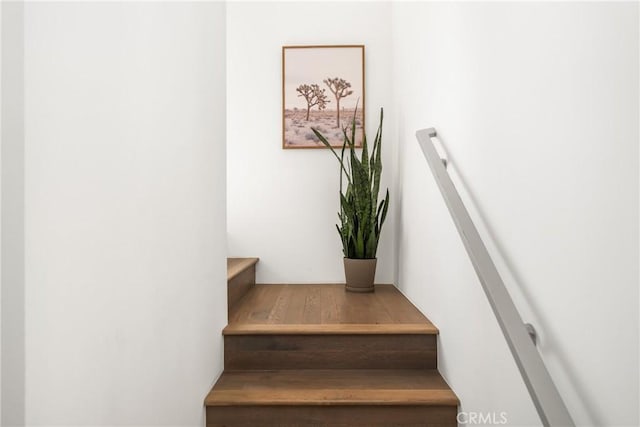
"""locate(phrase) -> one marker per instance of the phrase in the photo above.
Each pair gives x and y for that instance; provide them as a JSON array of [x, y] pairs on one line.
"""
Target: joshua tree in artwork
[[340, 89], [314, 96]]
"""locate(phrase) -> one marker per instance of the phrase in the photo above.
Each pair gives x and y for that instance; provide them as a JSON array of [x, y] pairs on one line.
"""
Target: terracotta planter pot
[[360, 274]]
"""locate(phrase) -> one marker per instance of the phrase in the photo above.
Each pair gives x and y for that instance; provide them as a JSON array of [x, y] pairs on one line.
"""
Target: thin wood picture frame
[[321, 85]]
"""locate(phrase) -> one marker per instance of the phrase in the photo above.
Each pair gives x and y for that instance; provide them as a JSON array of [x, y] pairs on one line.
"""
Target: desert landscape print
[[321, 87]]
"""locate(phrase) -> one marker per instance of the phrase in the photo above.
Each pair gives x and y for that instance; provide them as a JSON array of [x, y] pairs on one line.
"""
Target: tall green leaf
[[361, 216]]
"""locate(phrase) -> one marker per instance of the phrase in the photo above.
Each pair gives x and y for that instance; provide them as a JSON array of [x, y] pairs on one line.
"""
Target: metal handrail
[[545, 395]]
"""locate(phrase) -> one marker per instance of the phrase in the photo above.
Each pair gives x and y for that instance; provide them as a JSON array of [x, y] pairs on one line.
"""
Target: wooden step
[[325, 327], [326, 305], [241, 277], [330, 352], [236, 266], [332, 398], [335, 387]]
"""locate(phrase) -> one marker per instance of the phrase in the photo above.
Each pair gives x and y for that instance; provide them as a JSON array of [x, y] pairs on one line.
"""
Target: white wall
[[0, 213], [125, 219], [282, 204], [12, 195], [537, 104]]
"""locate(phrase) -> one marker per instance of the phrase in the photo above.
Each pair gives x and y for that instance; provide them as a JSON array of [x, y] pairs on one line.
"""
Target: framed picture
[[321, 87]]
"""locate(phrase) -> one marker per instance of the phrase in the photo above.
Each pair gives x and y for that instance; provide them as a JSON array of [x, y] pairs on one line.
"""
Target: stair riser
[[335, 416], [265, 352], [238, 287]]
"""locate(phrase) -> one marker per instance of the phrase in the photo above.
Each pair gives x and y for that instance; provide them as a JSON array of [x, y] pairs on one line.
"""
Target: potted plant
[[361, 214]]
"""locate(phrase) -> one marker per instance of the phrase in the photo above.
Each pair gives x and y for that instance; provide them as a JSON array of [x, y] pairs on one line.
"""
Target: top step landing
[[326, 309]]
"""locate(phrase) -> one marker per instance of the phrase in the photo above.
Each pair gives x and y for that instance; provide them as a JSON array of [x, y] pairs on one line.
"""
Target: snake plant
[[361, 214]]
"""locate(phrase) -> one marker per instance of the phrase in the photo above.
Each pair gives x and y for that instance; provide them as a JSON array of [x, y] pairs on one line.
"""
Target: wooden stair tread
[[326, 309], [236, 266], [332, 387]]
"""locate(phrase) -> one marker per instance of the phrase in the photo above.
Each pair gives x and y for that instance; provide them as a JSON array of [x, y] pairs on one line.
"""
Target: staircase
[[315, 355]]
